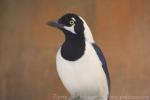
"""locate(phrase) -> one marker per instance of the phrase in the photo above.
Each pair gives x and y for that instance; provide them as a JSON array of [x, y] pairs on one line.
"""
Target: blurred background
[[28, 46]]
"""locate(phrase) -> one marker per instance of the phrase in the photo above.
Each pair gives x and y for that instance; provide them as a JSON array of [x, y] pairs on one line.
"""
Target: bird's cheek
[[70, 29]]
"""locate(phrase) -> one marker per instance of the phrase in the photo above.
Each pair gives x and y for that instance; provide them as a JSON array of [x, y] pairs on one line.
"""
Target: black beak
[[55, 24]]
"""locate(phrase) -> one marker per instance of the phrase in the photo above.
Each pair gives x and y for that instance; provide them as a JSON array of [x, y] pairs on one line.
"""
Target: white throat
[[87, 32]]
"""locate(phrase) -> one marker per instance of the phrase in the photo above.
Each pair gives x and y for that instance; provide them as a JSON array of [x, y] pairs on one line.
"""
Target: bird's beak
[[55, 24]]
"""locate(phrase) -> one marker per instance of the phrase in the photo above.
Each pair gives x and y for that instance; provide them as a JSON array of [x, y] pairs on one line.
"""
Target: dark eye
[[71, 22]]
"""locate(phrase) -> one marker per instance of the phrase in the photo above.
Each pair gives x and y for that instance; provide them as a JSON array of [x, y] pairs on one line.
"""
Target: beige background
[[28, 46]]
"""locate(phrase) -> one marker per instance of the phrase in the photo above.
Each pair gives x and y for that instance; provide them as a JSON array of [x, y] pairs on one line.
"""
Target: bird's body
[[84, 76], [80, 63]]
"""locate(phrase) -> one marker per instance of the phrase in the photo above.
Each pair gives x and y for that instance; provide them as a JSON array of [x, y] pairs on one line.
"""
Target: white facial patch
[[71, 29], [73, 19]]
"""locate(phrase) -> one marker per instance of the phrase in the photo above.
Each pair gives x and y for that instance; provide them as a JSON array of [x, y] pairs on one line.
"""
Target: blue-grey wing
[[104, 64]]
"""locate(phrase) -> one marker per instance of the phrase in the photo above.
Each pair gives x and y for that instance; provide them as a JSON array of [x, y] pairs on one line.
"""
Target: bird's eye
[[71, 22]]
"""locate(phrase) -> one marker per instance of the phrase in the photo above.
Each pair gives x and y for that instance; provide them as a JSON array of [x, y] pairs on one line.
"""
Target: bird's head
[[73, 26]]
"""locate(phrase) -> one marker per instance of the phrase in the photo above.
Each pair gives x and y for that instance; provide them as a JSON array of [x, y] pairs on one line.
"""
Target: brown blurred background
[[28, 46]]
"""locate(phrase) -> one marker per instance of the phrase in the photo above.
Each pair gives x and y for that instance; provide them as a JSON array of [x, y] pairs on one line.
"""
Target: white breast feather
[[85, 76]]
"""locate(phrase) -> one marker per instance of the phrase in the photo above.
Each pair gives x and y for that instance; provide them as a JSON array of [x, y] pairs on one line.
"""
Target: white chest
[[84, 76]]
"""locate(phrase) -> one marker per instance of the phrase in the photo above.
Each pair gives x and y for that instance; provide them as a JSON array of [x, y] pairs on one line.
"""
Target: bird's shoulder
[[99, 53], [103, 61]]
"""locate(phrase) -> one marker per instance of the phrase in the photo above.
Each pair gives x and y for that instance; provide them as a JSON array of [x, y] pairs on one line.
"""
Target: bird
[[80, 63]]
